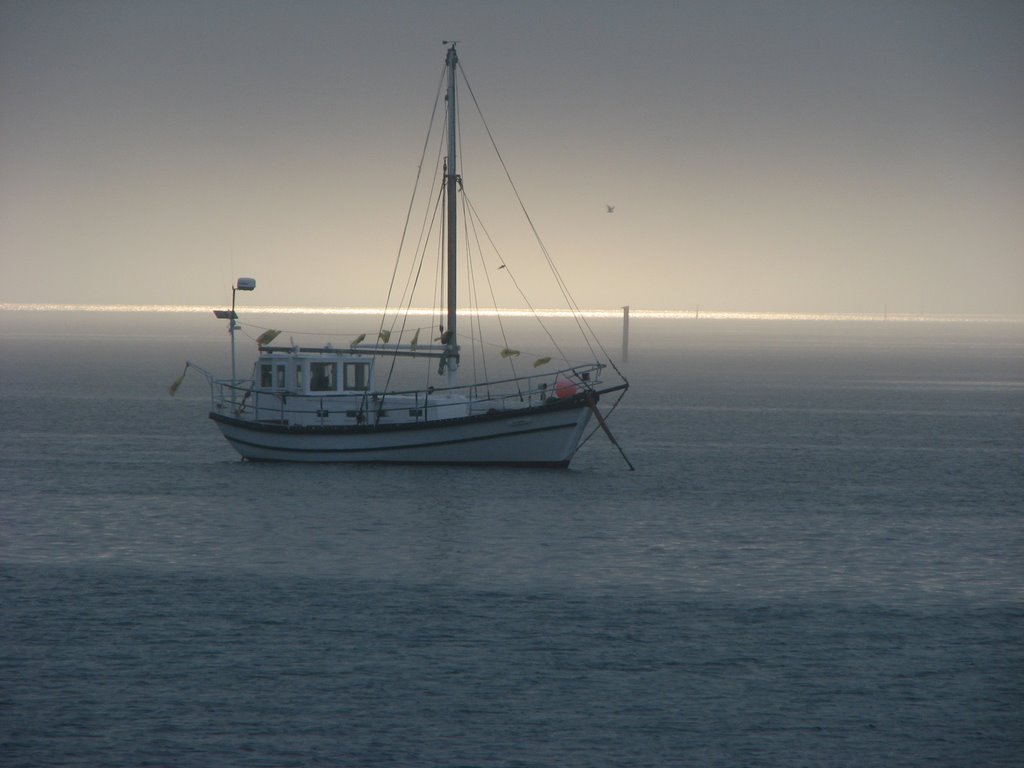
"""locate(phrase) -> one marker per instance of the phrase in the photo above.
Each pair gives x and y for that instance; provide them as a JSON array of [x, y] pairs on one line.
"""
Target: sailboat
[[339, 403]]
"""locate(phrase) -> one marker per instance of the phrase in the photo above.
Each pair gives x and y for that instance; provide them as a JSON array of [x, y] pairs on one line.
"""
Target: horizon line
[[640, 314]]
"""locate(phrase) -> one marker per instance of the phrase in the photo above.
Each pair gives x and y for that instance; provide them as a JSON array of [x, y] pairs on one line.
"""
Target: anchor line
[[592, 404]]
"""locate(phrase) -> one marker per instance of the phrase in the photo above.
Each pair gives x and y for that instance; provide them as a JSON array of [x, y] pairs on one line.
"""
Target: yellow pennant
[[267, 336], [509, 352], [541, 361], [173, 389], [358, 340]]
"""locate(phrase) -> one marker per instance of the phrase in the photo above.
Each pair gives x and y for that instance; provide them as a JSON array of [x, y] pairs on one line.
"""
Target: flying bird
[[611, 208]]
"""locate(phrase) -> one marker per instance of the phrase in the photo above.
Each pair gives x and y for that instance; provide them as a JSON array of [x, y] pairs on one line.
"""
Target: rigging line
[[319, 334], [469, 225], [467, 254], [429, 216], [468, 257], [439, 269], [563, 287], [581, 320], [585, 328], [473, 296], [414, 279], [412, 200], [586, 331], [242, 328], [438, 313], [531, 353], [432, 322], [474, 221], [522, 294], [430, 219]]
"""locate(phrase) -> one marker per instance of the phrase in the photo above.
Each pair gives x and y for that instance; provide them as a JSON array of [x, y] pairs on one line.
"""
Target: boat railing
[[244, 400], [531, 388]]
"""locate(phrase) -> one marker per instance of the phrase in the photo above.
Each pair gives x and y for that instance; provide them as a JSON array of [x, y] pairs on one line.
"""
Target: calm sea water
[[817, 562]]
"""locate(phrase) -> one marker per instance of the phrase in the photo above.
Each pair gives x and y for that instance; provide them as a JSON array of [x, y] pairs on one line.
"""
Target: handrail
[[573, 373], [247, 401]]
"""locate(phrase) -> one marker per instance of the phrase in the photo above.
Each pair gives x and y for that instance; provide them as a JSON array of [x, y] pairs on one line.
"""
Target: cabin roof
[[391, 350]]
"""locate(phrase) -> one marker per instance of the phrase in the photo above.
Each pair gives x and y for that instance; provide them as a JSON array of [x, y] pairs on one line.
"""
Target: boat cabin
[[313, 374], [316, 385], [325, 386]]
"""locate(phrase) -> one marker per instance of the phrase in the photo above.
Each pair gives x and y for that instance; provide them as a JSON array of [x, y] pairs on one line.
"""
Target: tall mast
[[452, 360]]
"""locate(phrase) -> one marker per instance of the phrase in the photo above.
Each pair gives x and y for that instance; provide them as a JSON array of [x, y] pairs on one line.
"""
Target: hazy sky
[[791, 155]]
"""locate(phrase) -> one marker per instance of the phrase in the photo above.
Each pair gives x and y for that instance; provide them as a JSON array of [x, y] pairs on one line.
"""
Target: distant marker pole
[[625, 334]]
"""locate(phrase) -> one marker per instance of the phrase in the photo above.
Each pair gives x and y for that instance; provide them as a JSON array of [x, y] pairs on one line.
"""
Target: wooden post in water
[[625, 334]]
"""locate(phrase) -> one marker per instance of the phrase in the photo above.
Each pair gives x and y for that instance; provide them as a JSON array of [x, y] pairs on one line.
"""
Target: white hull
[[546, 436]]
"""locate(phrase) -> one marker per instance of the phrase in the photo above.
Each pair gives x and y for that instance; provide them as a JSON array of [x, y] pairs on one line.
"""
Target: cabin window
[[323, 377], [357, 375], [267, 375], [281, 377], [298, 377]]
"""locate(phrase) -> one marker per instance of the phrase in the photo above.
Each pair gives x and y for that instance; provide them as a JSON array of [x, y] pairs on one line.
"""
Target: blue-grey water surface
[[817, 562]]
